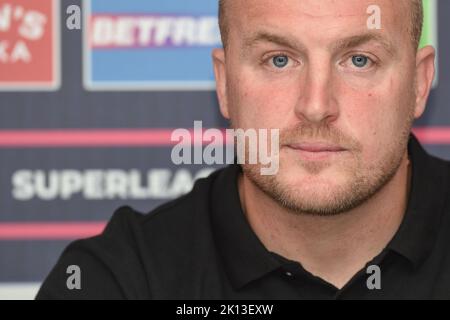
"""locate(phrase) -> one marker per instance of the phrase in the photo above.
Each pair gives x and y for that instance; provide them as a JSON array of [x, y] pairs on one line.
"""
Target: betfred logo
[[149, 45], [140, 31], [29, 45]]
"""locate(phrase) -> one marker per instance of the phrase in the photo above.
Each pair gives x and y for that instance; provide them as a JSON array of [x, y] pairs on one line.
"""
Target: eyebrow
[[342, 44], [355, 41], [263, 36]]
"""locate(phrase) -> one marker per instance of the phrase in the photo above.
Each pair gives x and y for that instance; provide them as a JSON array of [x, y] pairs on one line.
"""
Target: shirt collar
[[246, 258]]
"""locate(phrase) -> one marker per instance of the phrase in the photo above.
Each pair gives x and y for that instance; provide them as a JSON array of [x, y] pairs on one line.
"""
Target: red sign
[[29, 45]]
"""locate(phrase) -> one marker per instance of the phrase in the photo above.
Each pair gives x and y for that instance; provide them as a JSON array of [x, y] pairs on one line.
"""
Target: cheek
[[373, 117], [261, 104]]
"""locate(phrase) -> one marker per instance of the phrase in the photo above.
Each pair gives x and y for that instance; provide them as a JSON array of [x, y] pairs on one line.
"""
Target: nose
[[316, 103]]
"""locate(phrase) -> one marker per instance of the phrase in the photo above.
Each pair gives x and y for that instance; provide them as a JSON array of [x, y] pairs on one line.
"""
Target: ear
[[425, 71], [220, 74]]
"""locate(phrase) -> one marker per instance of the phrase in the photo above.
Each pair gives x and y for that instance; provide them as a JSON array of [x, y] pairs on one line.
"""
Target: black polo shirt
[[201, 246]]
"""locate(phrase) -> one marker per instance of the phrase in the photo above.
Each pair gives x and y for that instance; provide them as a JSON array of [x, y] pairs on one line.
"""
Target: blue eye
[[360, 61], [280, 61]]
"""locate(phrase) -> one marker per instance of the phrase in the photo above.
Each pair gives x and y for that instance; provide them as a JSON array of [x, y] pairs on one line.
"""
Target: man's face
[[342, 95]]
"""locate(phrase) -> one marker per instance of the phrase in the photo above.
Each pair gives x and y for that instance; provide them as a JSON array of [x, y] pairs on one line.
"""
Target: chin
[[313, 176]]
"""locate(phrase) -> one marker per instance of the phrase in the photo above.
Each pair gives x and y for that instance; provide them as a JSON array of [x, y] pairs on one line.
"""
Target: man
[[357, 208]]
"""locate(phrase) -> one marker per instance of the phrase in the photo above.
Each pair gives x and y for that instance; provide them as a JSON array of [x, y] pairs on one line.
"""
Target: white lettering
[[96, 184]]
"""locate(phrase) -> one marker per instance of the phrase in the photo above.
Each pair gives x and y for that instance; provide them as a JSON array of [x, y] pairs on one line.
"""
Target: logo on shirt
[[29, 45]]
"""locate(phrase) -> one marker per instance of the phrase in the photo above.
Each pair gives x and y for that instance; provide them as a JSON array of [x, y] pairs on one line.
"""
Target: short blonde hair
[[415, 29]]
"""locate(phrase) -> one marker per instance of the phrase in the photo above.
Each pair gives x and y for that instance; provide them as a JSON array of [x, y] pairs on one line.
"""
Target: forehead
[[318, 20]]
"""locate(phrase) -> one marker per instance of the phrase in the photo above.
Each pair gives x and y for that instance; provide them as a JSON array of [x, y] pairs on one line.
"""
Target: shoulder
[[136, 249]]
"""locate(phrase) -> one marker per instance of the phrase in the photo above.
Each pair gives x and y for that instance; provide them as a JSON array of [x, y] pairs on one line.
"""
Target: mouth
[[315, 151]]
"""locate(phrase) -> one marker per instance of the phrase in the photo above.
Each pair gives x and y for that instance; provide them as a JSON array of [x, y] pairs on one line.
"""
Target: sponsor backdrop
[[86, 116]]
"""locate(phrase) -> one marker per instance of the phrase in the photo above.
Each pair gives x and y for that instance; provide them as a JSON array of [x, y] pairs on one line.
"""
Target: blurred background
[[87, 111]]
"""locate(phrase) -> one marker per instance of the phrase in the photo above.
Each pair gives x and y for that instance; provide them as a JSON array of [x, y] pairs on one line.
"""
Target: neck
[[335, 247]]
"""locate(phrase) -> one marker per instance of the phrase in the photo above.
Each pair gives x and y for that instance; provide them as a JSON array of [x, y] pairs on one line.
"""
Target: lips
[[316, 147], [316, 151]]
